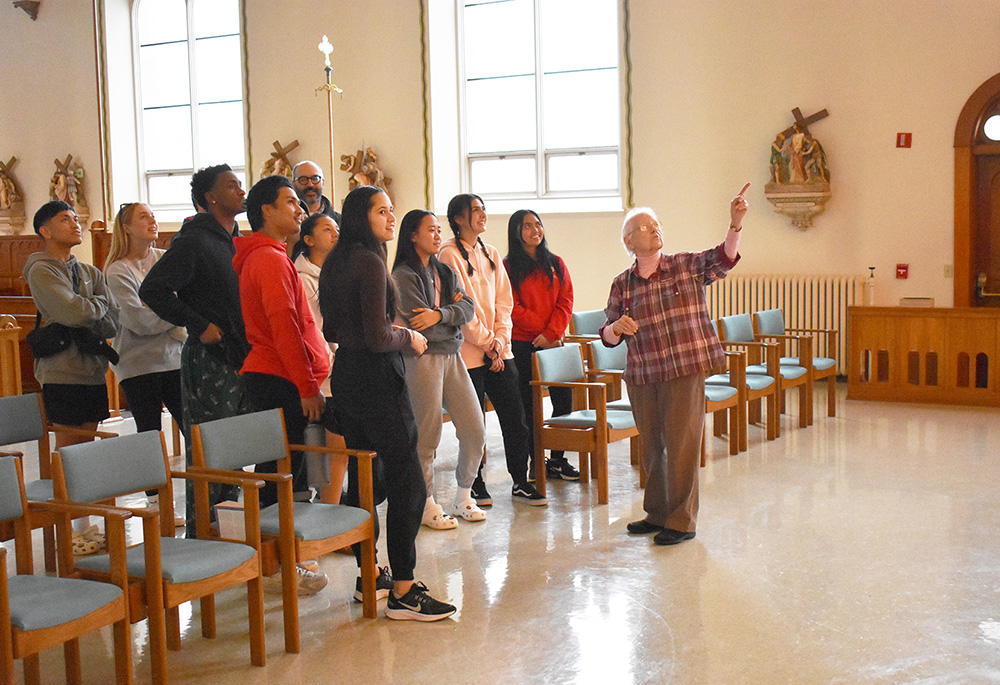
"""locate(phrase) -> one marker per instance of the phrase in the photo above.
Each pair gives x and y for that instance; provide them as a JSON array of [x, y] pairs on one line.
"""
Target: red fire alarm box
[[904, 139], [902, 270]]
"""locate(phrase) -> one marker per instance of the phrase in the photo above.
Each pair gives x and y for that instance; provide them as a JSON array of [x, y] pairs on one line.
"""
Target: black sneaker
[[526, 493], [480, 493], [383, 585], [417, 605], [560, 469]]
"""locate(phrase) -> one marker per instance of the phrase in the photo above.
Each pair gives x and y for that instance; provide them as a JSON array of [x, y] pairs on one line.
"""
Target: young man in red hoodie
[[288, 357]]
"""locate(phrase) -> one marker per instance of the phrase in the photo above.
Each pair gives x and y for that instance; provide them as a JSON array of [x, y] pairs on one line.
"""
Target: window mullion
[[540, 175], [193, 85]]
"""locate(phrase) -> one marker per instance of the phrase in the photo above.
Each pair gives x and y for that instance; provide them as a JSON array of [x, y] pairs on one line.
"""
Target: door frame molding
[[965, 187]]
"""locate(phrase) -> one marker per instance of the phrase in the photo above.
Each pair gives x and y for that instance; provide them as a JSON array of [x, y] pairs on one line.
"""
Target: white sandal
[[434, 517], [467, 510]]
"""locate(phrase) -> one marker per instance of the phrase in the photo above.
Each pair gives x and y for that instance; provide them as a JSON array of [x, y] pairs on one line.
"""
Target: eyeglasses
[[302, 180], [647, 228]]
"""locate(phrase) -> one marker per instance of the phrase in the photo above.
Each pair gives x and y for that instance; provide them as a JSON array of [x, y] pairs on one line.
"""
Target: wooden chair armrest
[[811, 330], [775, 336], [12, 454], [614, 373], [578, 338], [748, 343], [357, 454], [255, 480], [568, 384], [77, 509], [80, 432]]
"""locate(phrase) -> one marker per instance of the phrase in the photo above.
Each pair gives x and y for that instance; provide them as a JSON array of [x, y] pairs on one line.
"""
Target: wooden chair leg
[[734, 431], [773, 418], [173, 619], [704, 433], [123, 655], [208, 616], [601, 468], [289, 599], [368, 575], [32, 672], [255, 612], [804, 404], [831, 395], [584, 467], [71, 658], [49, 548]]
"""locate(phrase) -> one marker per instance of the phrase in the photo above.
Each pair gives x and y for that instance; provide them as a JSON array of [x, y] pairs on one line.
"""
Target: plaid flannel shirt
[[675, 336]]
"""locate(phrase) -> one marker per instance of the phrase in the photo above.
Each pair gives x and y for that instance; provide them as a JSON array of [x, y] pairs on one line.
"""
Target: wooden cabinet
[[943, 356]]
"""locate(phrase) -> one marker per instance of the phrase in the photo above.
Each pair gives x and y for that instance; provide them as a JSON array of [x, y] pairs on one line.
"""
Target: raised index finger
[[743, 192]]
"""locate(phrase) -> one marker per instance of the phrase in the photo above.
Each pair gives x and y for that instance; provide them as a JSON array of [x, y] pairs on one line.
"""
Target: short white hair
[[628, 224]]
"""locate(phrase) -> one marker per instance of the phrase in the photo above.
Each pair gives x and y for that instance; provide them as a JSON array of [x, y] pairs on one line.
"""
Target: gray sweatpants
[[439, 381]]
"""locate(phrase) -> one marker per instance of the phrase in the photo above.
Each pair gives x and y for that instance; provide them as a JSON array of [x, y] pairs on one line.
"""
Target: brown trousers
[[671, 416]]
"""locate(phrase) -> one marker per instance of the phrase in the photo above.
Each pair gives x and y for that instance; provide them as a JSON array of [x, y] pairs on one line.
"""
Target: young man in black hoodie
[[194, 285]]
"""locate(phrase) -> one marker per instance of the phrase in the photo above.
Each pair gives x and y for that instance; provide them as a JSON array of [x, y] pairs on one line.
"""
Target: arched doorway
[[977, 199]]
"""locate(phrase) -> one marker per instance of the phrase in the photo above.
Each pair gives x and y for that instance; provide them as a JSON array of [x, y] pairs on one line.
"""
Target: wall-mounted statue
[[799, 183], [277, 164], [364, 171], [67, 185], [11, 199]]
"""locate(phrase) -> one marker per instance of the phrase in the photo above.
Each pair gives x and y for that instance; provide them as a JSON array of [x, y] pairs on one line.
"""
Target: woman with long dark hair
[[543, 304], [432, 302], [370, 402], [486, 350]]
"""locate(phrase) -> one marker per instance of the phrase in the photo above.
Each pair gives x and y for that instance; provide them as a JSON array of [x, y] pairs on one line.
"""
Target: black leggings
[[561, 398], [505, 397], [148, 394]]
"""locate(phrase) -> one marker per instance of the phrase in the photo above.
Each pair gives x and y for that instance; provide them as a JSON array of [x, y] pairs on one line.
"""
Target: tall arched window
[[189, 94]]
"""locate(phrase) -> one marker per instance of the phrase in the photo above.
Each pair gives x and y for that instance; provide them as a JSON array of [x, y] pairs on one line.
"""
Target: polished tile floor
[[863, 549]]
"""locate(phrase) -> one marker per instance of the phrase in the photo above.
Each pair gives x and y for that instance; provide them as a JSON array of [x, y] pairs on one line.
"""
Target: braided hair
[[459, 206]]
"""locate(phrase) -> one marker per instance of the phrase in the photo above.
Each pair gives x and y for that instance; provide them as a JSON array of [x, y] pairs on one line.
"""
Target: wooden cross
[[6, 168], [63, 167], [804, 122], [282, 152]]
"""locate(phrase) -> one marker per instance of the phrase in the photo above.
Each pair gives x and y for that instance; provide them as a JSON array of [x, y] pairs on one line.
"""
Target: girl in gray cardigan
[[432, 302]]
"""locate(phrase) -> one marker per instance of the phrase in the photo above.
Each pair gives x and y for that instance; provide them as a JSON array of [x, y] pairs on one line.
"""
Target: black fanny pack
[[53, 338]]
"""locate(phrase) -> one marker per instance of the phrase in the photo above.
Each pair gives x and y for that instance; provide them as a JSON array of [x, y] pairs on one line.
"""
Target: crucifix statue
[[278, 164], [330, 87], [799, 185]]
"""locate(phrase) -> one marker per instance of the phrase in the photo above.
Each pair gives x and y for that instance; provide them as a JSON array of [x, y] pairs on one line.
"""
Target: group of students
[[221, 324]]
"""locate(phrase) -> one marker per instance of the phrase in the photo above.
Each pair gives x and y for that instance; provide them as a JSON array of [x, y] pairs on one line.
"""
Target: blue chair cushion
[[586, 418], [609, 358], [183, 560], [588, 322], [314, 521], [823, 363], [560, 364], [22, 419], [719, 393], [770, 322], [38, 490], [624, 404], [10, 490], [754, 382], [788, 371], [42, 602], [737, 328]]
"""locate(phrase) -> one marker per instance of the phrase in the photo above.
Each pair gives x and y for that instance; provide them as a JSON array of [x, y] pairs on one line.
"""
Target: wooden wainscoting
[[940, 356]]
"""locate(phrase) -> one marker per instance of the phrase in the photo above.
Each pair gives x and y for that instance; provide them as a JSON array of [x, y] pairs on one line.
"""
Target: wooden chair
[[301, 530], [587, 431], [729, 398], [760, 387], [738, 328], [771, 323], [22, 419], [795, 371], [586, 325], [166, 571], [38, 612]]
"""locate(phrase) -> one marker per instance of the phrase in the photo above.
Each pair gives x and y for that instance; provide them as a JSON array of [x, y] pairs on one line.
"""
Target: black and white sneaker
[[383, 585], [560, 469], [480, 493], [417, 605], [526, 493]]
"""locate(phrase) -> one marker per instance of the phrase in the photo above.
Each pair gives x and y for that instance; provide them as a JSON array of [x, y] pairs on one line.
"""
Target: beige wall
[[712, 83]]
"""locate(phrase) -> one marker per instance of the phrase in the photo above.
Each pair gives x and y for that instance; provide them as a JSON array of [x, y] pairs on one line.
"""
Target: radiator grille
[[806, 301]]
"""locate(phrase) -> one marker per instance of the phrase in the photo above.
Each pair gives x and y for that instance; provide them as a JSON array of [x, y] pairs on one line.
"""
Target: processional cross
[[804, 122], [330, 87]]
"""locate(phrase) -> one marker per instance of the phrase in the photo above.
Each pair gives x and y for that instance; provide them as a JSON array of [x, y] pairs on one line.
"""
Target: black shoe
[[669, 536], [642, 527], [526, 493], [560, 469], [383, 584], [417, 605], [480, 493]]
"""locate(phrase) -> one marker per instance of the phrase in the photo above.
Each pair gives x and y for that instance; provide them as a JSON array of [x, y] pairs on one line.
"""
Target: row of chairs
[[759, 371], [151, 579]]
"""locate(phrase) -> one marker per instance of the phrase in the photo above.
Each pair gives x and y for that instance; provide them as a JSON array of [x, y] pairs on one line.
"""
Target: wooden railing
[[942, 356]]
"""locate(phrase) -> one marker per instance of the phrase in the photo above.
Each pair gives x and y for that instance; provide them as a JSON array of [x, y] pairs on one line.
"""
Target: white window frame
[[178, 211], [456, 172]]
